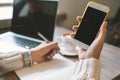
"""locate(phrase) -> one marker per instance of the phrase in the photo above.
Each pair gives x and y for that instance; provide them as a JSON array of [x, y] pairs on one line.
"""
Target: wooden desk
[[109, 59]]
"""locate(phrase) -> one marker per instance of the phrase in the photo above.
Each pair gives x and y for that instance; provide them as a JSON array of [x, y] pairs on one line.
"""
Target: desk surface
[[109, 59]]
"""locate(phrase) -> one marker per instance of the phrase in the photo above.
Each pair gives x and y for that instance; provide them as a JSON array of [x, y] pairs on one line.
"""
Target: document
[[59, 68]]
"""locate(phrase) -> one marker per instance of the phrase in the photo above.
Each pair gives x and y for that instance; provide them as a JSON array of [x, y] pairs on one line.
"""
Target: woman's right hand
[[44, 52]]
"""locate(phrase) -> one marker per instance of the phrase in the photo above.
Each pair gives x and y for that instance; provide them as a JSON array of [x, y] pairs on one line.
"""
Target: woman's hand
[[44, 52], [95, 48]]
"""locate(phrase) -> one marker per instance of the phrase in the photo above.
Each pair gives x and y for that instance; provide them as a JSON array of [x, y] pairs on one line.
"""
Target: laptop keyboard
[[25, 43]]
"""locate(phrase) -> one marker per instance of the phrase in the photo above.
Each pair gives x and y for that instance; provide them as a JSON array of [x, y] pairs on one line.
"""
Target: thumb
[[103, 29]]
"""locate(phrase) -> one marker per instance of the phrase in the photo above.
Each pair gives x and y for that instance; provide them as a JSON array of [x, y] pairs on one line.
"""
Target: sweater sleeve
[[10, 61], [88, 69]]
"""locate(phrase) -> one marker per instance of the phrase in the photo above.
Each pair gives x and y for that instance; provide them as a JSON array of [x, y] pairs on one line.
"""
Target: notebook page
[[59, 68]]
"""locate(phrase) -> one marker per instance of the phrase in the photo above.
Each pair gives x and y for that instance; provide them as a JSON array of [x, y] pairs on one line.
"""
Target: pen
[[43, 37]]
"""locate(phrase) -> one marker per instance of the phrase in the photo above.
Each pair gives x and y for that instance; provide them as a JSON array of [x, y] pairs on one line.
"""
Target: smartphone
[[93, 17]]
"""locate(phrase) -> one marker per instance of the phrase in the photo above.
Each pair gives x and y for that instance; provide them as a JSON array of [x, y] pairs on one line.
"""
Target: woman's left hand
[[95, 48]]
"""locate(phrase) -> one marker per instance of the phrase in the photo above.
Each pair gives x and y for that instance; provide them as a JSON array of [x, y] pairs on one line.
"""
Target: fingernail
[[49, 57]]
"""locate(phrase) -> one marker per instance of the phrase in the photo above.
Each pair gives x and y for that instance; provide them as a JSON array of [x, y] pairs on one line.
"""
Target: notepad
[[59, 68]]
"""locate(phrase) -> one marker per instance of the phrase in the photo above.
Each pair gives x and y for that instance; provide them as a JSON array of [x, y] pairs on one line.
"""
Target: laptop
[[29, 18]]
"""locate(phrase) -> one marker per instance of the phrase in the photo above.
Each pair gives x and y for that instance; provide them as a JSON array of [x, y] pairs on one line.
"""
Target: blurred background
[[68, 10]]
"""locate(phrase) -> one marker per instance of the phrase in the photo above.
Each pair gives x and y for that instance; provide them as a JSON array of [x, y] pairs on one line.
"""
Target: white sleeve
[[88, 69], [10, 61]]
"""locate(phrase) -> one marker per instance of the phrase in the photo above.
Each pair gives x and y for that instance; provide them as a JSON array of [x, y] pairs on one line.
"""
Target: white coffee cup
[[66, 43]]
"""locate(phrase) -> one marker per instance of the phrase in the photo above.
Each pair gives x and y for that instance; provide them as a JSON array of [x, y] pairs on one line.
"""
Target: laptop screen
[[32, 16]]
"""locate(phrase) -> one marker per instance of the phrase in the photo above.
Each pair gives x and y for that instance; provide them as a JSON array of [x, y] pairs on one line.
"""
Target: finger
[[49, 57], [48, 47], [56, 50], [72, 35], [75, 27], [79, 18], [103, 29], [52, 53]]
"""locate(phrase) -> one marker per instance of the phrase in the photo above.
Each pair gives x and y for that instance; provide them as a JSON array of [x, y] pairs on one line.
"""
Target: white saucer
[[68, 53]]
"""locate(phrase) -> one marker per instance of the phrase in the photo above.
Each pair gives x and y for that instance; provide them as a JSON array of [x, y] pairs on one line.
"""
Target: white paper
[[59, 68]]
